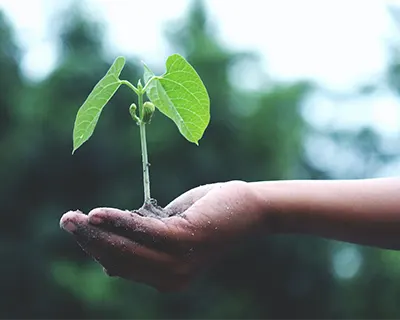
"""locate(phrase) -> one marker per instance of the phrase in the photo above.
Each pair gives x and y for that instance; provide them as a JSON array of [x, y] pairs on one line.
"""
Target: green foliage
[[181, 95], [89, 112]]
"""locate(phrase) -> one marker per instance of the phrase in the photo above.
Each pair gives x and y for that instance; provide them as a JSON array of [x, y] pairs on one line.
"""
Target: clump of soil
[[153, 210]]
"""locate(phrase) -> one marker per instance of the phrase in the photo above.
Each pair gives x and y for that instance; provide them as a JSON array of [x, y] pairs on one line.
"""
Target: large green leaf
[[181, 95], [89, 112]]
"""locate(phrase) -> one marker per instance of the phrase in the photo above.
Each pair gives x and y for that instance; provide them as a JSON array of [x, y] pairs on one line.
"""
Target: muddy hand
[[168, 253]]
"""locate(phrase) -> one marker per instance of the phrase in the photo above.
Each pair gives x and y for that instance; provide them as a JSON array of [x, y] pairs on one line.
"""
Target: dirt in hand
[[153, 210]]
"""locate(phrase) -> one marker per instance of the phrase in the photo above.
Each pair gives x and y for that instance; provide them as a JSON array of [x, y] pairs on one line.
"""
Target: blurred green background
[[276, 130]]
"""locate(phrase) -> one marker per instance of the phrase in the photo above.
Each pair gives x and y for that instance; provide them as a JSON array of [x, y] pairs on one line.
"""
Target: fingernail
[[66, 223], [95, 220], [69, 226]]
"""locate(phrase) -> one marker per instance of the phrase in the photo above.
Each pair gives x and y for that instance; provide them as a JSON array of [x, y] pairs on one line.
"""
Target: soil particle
[[153, 210]]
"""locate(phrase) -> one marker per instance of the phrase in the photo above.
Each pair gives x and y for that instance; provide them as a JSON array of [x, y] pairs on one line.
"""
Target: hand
[[168, 253]]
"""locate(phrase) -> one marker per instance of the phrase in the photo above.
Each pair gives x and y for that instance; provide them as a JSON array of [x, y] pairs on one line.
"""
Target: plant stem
[[145, 163]]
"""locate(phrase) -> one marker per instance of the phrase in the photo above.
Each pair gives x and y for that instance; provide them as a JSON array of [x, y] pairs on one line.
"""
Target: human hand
[[168, 253]]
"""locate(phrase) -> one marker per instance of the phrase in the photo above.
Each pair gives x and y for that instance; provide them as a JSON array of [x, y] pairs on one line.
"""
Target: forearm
[[359, 211]]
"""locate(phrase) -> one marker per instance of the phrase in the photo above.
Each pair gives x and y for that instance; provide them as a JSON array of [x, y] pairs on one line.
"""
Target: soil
[[153, 210]]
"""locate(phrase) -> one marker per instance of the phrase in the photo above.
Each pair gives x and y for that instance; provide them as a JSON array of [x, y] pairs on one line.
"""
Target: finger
[[123, 258], [104, 245], [143, 230], [126, 259], [71, 219], [103, 242], [187, 199]]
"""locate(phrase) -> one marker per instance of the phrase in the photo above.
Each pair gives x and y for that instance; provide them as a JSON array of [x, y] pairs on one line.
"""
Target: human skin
[[168, 253]]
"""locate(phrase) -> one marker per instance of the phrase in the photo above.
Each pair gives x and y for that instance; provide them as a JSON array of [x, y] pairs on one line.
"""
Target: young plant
[[179, 94]]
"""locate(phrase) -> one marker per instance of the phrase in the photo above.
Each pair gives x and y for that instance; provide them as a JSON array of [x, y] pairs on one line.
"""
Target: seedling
[[179, 94]]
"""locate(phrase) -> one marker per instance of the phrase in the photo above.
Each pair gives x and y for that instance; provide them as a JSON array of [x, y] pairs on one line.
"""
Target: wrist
[[255, 212], [277, 203]]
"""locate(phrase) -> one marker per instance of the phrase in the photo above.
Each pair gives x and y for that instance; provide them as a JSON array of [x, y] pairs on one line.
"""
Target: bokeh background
[[299, 90]]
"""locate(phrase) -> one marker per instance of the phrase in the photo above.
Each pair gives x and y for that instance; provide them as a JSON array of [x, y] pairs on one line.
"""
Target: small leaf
[[181, 95], [89, 112]]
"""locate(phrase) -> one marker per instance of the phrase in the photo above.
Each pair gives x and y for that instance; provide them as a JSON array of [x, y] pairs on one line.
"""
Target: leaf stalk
[[130, 85]]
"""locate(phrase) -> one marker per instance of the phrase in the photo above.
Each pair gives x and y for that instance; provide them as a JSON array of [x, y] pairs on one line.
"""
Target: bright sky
[[336, 42], [339, 43]]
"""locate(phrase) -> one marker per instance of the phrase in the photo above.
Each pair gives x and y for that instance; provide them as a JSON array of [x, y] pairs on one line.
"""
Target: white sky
[[338, 43]]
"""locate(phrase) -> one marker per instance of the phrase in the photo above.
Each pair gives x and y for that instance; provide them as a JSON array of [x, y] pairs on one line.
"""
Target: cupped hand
[[168, 253]]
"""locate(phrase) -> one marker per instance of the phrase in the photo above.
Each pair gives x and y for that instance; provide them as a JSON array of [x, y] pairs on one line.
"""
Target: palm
[[165, 253]]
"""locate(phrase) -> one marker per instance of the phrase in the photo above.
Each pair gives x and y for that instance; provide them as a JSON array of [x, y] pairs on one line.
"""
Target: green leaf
[[181, 95], [89, 112]]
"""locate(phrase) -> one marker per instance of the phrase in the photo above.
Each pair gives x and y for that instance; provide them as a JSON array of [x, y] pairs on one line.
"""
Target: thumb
[[187, 199]]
